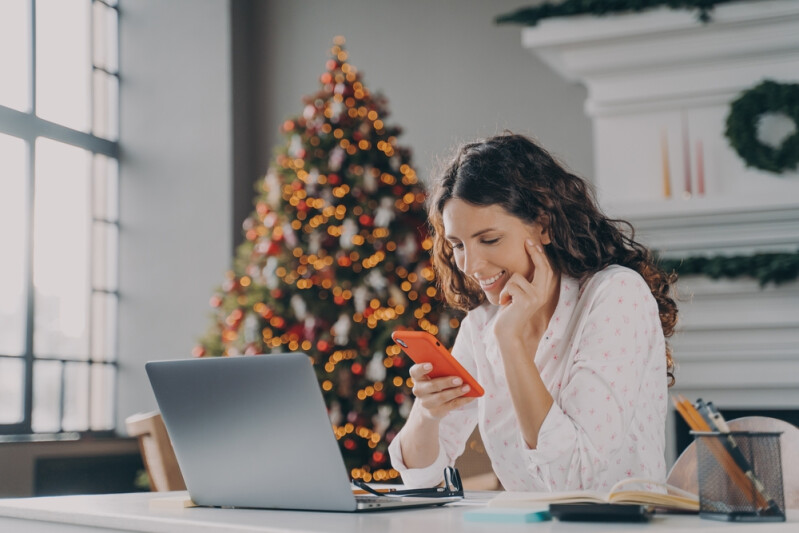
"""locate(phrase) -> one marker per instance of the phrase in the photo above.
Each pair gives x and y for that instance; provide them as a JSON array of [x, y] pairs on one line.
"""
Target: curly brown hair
[[515, 173]]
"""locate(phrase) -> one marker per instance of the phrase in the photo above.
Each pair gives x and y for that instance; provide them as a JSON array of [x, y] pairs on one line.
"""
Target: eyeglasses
[[452, 487]]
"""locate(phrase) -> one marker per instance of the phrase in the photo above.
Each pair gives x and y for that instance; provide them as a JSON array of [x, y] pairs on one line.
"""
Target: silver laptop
[[253, 431]]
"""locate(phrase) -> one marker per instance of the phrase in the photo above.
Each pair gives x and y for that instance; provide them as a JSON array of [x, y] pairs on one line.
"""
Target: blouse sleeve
[[620, 352], [454, 428]]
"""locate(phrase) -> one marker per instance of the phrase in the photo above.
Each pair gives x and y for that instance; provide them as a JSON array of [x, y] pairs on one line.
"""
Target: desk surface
[[132, 512]]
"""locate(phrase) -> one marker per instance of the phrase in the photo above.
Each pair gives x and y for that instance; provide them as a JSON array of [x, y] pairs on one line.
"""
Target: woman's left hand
[[524, 301]]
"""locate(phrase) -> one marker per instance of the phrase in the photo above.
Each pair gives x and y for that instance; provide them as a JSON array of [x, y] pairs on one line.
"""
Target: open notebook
[[676, 498], [253, 431]]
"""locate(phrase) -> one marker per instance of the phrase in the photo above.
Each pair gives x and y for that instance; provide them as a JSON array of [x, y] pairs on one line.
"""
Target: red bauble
[[333, 179], [350, 444], [357, 369], [323, 346], [379, 396], [378, 457], [366, 220], [273, 249]]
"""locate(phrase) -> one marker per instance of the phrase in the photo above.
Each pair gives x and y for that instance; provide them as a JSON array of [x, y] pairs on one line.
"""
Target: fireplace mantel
[[661, 75]]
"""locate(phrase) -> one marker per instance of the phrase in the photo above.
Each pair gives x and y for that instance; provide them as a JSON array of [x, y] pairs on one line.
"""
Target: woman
[[565, 331]]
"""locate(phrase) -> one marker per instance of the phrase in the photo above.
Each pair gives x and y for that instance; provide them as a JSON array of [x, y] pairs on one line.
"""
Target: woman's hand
[[437, 396], [525, 303]]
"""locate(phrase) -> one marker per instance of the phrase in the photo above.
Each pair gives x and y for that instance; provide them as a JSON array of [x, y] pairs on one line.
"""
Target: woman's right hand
[[437, 396]]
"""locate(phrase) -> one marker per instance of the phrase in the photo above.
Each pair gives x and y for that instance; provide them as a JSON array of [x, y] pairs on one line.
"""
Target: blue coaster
[[506, 515]]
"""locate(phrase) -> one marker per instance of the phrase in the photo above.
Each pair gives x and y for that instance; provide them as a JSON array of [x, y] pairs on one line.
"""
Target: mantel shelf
[[706, 207]]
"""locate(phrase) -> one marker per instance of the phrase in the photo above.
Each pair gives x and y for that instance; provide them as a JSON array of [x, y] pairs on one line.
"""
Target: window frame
[[27, 126]]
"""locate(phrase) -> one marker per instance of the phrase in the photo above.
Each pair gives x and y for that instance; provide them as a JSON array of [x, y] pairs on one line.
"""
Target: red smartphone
[[425, 348]]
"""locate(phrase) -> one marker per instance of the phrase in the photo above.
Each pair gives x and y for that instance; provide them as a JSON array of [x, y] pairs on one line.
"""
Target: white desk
[[131, 512]]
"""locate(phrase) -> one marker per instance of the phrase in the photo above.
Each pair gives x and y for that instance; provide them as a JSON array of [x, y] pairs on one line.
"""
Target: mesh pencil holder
[[740, 476]]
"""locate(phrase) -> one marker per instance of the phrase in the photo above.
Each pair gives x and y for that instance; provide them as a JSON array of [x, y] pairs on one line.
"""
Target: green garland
[[768, 96], [529, 16], [765, 267]]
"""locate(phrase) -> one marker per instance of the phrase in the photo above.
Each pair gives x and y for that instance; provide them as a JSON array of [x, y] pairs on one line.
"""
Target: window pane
[[15, 54], [46, 396], [105, 37], [105, 187], [105, 105], [104, 256], [63, 63], [76, 397], [104, 326], [12, 383], [102, 394], [13, 215], [61, 249]]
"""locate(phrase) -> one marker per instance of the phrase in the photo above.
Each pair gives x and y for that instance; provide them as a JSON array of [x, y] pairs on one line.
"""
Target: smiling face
[[488, 244]]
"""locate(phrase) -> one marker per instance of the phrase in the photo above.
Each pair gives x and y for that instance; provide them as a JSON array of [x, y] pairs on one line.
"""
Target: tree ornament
[[299, 307], [341, 330], [336, 159], [272, 187], [359, 297], [348, 231], [742, 125], [382, 420], [376, 370], [295, 146]]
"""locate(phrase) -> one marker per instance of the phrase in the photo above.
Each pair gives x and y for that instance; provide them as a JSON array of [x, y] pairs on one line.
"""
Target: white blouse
[[602, 360]]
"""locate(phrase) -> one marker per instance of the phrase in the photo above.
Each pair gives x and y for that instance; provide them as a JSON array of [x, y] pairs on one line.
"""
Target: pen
[[737, 455]]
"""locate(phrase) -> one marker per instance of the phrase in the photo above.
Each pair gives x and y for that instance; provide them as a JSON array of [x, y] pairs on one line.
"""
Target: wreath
[[741, 131]]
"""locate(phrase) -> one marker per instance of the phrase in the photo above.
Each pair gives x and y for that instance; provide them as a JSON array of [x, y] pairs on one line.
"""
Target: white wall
[[449, 73], [175, 181]]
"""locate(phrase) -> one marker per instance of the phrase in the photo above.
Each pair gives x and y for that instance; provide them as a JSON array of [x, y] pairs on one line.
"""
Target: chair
[[156, 451], [475, 467], [684, 472]]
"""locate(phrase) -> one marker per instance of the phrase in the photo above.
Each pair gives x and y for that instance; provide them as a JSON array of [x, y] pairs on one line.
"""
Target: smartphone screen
[[423, 347]]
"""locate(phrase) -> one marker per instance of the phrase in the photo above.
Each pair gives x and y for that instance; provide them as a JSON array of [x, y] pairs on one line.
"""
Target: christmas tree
[[335, 258]]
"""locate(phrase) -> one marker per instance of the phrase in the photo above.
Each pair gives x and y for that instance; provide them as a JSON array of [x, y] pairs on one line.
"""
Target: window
[[58, 215]]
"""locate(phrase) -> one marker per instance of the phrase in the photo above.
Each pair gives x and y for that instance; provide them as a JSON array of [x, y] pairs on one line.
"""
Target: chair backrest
[[684, 472], [475, 467], [156, 451]]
